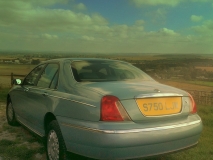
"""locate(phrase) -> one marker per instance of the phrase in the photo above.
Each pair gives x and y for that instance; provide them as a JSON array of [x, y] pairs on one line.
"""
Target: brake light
[[112, 109], [193, 105]]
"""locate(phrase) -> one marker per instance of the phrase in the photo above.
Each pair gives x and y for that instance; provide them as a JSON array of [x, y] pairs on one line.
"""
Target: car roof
[[78, 59]]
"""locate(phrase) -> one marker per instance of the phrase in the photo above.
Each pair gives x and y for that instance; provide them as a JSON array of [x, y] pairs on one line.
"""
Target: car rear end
[[131, 128], [159, 123], [137, 118]]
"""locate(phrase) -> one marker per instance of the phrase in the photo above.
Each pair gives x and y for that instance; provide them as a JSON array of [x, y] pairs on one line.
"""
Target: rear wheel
[[56, 149], [11, 118]]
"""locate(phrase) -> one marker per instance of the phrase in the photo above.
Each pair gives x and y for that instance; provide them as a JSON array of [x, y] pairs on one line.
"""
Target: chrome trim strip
[[134, 130], [24, 124], [73, 101], [153, 95]]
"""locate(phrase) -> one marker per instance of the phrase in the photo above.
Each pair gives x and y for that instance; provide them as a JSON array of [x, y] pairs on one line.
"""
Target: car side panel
[[76, 107], [38, 105], [27, 106], [34, 128], [19, 99]]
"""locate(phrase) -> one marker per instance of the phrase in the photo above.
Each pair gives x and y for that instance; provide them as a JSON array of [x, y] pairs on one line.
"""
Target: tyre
[[10, 114], [55, 146]]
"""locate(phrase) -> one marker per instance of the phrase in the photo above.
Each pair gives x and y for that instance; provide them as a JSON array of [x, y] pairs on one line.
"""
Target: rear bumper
[[134, 151], [129, 143]]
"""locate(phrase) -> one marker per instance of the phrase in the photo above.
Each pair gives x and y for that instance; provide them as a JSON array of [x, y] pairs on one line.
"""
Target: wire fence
[[202, 97]]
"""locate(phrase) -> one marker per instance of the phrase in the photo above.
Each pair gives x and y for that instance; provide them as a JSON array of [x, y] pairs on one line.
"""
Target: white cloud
[[162, 36], [139, 3], [195, 18], [81, 7], [172, 3], [139, 22], [49, 36], [88, 38], [167, 32], [28, 17], [45, 2], [205, 29], [158, 16]]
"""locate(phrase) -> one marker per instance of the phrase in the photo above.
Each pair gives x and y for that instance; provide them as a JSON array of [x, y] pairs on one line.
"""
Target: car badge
[[157, 90]]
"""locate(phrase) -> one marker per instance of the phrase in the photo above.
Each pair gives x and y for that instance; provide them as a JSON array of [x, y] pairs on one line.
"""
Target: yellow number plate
[[159, 106]]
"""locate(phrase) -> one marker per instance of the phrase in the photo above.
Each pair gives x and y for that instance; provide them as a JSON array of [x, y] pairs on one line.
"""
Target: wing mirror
[[17, 81]]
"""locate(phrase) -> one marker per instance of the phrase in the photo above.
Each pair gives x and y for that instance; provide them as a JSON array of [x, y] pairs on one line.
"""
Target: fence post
[[11, 78], [211, 98]]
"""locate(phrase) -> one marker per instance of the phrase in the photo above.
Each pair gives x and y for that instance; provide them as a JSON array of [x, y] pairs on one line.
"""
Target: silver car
[[103, 109]]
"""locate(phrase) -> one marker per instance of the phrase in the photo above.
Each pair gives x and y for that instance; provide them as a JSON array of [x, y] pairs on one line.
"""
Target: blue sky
[[107, 26]]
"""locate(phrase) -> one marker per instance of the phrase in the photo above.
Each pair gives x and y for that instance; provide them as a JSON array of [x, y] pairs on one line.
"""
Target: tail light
[[112, 109], [193, 108]]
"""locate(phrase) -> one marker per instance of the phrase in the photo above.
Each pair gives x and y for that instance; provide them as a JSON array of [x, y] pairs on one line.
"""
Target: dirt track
[[187, 86]]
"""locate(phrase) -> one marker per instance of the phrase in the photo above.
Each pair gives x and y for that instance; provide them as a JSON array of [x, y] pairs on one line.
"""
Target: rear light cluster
[[193, 108], [112, 109]]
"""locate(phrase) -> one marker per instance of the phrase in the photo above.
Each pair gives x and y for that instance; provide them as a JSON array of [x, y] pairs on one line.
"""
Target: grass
[[203, 151], [15, 150], [202, 83], [196, 82], [23, 69], [17, 142], [19, 71], [3, 93]]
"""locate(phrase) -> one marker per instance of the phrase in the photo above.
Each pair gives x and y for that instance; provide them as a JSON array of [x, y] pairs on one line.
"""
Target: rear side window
[[49, 77], [32, 77], [54, 82]]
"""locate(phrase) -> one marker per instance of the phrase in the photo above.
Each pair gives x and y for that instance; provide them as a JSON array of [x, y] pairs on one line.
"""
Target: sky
[[107, 26]]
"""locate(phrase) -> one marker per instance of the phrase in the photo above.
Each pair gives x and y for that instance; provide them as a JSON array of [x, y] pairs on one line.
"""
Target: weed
[[10, 129], [12, 149], [3, 93]]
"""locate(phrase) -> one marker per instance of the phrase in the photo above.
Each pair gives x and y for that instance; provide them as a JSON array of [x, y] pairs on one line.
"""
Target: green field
[[3, 94], [22, 69], [16, 69], [196, 82], [202, 83]]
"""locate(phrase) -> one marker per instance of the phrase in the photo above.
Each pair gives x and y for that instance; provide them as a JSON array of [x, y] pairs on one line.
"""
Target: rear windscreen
[[97, 71]]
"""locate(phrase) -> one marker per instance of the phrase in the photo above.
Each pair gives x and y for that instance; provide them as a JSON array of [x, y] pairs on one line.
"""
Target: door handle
[[45, 94], [26, 89]]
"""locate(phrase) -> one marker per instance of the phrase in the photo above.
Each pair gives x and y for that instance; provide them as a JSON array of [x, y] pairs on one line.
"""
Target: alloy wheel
[[53, 146], [10, 112]]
